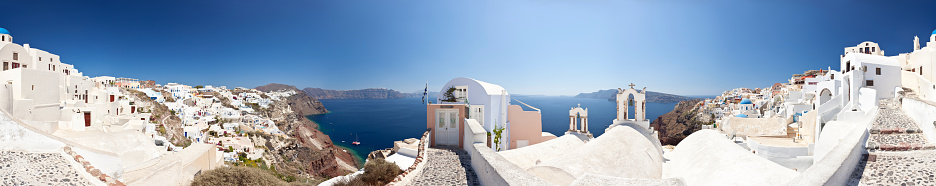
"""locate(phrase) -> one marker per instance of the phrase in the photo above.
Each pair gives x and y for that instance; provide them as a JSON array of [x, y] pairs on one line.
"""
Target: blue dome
[[742, 115], [934, 31], [746, 101], [4, 31]]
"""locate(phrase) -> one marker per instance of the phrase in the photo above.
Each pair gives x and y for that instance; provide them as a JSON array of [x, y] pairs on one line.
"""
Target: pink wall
[[430, 121], [525, 125]]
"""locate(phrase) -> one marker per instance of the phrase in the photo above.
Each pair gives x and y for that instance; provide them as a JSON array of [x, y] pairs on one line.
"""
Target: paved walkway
[[899, 153], [447, 166], [26, 168]]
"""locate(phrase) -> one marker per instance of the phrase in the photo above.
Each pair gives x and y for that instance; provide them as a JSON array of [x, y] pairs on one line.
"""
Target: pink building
[[489, 105]]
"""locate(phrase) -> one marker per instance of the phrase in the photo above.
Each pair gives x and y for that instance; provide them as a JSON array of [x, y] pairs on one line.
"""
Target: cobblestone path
[[447, 166], [899, 153], [893, 130], [25, 168]]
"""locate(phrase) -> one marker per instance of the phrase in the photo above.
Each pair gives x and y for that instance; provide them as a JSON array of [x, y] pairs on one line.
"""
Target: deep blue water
[[379, 122]]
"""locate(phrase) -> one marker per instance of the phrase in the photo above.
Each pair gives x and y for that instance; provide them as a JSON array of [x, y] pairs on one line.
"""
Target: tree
[[448, 96]]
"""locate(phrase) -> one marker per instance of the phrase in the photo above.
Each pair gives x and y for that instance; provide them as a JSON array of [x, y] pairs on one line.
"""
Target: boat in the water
[[356, 142]]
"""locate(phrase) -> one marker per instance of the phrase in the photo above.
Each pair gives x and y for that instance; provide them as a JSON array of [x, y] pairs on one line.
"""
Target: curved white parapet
[[708, 158], [621, 152], [529, 156]]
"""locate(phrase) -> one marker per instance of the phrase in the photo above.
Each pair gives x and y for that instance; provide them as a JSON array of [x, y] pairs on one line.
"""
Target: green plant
[[498, 131], [161, 129], [376, 172], [237, 176], [449, 96], [199, 86]]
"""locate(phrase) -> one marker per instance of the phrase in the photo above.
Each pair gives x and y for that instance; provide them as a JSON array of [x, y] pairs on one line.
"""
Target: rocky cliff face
[[161, 116], [655, 97], [371, 93], [674, 126], [309, 151]]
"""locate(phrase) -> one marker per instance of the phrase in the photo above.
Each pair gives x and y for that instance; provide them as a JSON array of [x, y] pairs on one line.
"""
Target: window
[[833, 76], [861, 50], [872, 49], [877, 71], [847, 64], [869, 83], [40, 58], [15, 56], [34, 87], [24, 66]]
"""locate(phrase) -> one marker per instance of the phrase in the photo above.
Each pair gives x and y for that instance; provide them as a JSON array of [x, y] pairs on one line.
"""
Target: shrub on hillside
[[376, 172], [236, 176]]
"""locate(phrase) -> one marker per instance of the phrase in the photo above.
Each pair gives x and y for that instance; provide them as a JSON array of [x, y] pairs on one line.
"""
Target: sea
[[377, 123]]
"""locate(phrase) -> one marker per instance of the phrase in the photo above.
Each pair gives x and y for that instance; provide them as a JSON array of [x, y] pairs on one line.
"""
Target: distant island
[[369, 93], [654, 97]]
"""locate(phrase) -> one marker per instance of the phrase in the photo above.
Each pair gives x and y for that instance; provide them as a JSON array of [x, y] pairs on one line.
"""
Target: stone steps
[[898, 142], [893, 130]]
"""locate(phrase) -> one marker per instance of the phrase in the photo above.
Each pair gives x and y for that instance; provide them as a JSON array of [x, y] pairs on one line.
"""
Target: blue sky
[[542, 47]]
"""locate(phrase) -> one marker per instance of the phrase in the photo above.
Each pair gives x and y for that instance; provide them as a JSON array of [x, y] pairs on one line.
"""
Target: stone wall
[[111, 181], [420, 155]]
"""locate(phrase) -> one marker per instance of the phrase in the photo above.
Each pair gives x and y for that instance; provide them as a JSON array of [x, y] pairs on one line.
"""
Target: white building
[[487, 102], [918, 67]]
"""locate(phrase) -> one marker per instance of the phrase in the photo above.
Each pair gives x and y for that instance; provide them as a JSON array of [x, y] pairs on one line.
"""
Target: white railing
[[830, 108], [534, 108], [491, 167]]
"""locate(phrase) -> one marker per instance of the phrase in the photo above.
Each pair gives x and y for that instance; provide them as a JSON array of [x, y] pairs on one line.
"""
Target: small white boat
[[356, 142]]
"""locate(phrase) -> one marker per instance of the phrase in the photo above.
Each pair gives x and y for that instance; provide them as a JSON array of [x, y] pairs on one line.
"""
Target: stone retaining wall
[[110, 181], [420, 154]]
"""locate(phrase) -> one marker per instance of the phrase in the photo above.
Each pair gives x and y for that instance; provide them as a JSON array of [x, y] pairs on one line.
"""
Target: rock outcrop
[[162, 117], [675, 125], [308, 151]]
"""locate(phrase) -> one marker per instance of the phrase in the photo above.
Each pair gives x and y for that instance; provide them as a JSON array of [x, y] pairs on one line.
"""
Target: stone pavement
[[899, 153], [893, 130], [447, 166], [26, 168], [896, 168]]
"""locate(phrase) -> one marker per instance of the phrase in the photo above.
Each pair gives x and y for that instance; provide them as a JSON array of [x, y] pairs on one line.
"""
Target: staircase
[[893, 130], [898, 152]]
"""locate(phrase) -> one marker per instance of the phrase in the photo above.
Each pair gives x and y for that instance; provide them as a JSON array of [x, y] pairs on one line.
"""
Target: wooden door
[[447, 127], [87, 119], [111, 98]]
